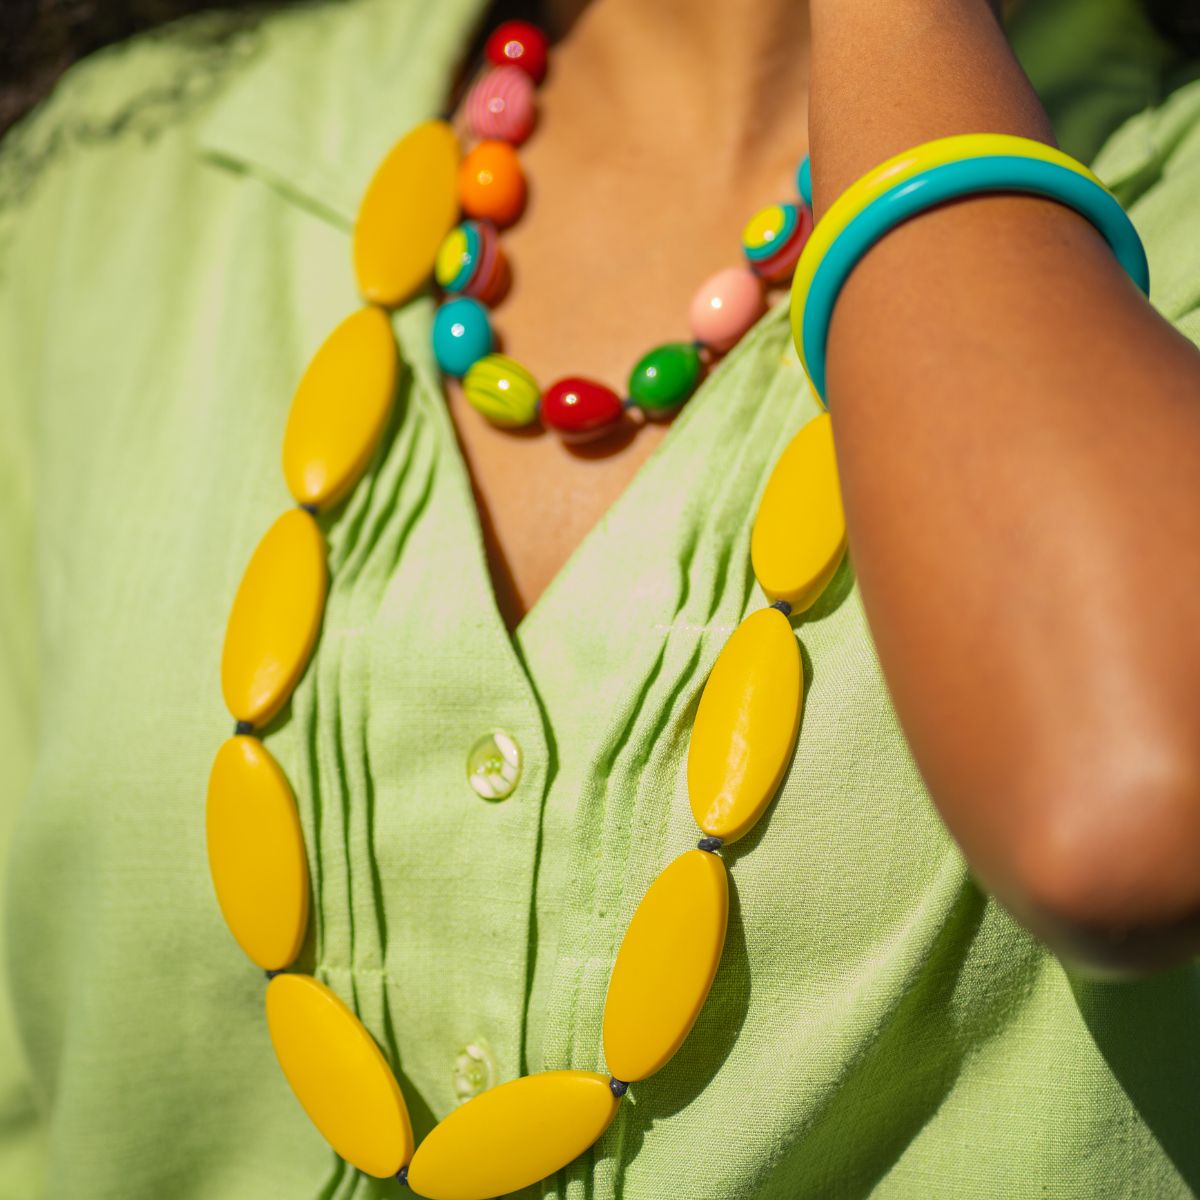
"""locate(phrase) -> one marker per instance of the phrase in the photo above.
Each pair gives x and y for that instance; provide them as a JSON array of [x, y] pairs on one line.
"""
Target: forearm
[[1019, 441]]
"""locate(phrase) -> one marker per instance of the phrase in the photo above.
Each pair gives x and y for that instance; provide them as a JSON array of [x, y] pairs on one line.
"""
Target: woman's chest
[[605, 261]]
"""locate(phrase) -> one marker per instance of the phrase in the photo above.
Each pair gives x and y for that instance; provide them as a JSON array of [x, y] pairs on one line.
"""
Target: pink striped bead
[[490, 279], [501, 105], [726, 305]]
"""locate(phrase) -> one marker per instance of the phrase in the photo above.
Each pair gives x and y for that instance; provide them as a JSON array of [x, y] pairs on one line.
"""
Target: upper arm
[[1020, 456]]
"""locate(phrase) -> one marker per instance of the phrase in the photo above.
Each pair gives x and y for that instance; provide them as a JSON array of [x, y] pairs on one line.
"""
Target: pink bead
[[501, 105], [726, 305]]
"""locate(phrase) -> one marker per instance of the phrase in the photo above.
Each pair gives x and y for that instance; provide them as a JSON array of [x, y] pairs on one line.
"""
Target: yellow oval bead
[[408, 208], [512, 1135], [746, 725], [275, 618], [340, 409], [799, 535], [256, 852], [339, 1075], [666, 965]]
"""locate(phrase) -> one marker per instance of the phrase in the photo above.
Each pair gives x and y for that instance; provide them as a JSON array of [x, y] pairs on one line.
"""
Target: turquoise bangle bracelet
[[988, 173]]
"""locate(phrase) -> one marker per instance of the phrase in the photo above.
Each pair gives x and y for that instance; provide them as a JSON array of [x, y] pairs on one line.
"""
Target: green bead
[[665, 377], [502, 390]]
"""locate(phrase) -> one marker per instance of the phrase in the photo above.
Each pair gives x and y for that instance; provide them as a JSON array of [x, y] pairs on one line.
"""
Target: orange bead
[[491, 184]]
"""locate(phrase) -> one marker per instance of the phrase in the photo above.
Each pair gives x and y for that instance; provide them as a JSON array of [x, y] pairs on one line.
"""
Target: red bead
[[580, 409], [518, 44]]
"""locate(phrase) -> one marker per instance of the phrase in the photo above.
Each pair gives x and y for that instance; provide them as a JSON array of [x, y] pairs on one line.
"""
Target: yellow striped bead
[[256, 853], [275, 618], [502, 390], [666, 965], [340, 409], [513, 1135], [799, 534], [745, 726], [339, 1075], [408, 208]]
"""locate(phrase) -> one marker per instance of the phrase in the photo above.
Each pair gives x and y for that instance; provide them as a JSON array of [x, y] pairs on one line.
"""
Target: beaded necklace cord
[[516, 1133]]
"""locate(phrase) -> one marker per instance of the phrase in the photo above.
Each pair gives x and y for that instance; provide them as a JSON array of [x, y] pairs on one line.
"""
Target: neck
[[726, 80]]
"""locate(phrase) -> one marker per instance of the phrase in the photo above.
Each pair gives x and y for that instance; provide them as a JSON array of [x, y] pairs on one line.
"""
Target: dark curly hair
[[39, 39]]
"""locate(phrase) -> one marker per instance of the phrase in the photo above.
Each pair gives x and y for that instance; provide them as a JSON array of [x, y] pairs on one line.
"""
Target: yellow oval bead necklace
[[518, 1132]]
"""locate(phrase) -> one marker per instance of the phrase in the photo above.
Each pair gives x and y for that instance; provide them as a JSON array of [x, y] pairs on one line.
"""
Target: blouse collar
[[331, 90]]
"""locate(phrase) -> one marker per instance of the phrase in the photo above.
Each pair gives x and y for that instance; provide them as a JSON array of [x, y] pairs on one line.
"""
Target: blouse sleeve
[[1152, 164]]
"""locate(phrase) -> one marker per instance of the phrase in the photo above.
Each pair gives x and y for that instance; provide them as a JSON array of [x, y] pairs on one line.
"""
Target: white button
[[494, 765], [474, 1070]]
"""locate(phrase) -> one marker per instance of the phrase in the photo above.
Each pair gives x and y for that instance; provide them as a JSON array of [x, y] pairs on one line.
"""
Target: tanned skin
[[1018, 432]]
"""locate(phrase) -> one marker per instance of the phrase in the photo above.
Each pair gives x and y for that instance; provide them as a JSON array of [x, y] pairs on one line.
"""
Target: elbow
[[1109, 875]]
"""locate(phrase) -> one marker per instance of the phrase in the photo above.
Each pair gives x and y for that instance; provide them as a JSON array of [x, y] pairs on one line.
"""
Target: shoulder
[[1152, 164], [137, 90]]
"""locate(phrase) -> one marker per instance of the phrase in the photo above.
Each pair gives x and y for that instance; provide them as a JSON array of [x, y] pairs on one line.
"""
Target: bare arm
[[1018, 434]]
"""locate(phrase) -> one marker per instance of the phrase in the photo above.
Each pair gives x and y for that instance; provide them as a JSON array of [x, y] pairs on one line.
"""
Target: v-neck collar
[[317, 136], [671, 444]]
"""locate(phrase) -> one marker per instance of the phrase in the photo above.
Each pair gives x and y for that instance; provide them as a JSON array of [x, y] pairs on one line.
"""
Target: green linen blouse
[[173, 246]]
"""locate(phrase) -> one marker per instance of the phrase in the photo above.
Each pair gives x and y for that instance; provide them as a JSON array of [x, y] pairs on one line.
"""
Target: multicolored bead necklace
[[472, 269], [521, 1131]]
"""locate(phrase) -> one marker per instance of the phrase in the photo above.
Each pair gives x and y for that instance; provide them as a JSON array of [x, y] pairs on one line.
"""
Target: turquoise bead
[[804, 181], [462, 335], [665, 377]]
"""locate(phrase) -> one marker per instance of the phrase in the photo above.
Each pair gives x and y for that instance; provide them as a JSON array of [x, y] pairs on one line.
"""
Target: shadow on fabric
[[1149, 1033]]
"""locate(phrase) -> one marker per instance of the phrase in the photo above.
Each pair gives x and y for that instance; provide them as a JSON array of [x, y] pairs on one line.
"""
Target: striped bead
[[773, 239], [502, 390], [471, 263], [501, 105]]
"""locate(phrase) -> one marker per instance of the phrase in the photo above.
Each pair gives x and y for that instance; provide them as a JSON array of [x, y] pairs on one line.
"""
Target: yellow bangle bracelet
[[896, 170]]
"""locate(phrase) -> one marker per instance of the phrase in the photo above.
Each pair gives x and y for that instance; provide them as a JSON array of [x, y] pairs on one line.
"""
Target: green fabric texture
[[173, 247]]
